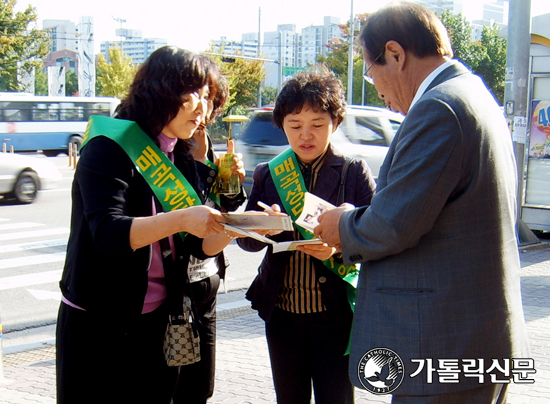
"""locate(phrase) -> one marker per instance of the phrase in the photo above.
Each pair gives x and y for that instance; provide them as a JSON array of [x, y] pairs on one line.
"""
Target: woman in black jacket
[[113, 317], [305, 304]]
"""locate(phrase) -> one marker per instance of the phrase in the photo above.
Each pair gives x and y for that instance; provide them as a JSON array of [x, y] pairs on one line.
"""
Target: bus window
[[53, 112], [39, 112], [16, 112], [70, 112], [99, 108]]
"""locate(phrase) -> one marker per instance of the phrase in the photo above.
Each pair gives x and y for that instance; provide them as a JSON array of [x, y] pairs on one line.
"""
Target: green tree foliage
[[40, 82], [114, 78], [21, 44], [337, 61], [244, 77], [485, 57], [269, 95], [71, 83], [490, 61], [460, 34]]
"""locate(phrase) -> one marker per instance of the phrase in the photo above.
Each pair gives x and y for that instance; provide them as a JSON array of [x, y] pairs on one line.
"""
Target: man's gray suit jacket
[[440, 274]]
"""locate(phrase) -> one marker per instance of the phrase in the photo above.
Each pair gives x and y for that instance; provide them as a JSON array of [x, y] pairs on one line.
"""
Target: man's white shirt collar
[[428, 80]]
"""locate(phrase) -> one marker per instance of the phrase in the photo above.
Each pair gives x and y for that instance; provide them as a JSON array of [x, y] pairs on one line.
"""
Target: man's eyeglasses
[[366, 76]]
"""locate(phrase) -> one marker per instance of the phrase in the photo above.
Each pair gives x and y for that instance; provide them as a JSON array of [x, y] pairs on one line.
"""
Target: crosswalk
[[30, 245]]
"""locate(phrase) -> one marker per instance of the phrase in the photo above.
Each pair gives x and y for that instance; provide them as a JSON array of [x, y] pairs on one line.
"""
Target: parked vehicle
[[21, 177], [365, 133]]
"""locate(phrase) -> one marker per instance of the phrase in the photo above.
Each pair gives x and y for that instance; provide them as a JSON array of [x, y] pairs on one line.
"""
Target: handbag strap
[[343, 176], [174, 278]]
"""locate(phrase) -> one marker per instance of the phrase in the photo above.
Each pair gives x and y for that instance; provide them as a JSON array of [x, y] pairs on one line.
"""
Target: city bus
[[49, 124]]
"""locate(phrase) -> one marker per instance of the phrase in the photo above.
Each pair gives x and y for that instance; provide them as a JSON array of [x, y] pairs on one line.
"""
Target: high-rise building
[[72, 48], [64, 35], [248, 46], [482, 10], [133, 45], [316, 37], [282, 46], [286, 49]]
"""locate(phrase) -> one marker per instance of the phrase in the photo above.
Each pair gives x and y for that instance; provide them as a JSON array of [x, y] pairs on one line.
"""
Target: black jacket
[[102, 273], [265, 289]]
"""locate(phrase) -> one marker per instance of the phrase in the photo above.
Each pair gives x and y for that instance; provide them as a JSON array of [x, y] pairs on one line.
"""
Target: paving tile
[[243, 373]]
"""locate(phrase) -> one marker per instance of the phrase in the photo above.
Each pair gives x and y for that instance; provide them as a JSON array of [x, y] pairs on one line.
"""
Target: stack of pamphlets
[[245, 223]]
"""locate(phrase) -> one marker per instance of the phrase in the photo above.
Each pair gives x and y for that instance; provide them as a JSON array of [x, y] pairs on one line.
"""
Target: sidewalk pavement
[[243, 372]]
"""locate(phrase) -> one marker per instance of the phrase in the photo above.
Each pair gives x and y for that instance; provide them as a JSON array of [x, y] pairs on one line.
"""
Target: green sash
[[289, 182], [167, 182]]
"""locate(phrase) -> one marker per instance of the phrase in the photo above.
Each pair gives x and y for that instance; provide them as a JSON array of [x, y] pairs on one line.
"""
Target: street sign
[[291, 71]]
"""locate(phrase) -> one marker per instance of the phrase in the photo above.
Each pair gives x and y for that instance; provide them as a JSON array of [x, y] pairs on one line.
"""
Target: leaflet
[[253, 220], [291, 245], [248, 233], [277, 247], [313, 208], [244, 223]]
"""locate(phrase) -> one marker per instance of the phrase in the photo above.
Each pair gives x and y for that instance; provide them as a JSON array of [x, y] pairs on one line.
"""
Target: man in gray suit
[[439, 315]]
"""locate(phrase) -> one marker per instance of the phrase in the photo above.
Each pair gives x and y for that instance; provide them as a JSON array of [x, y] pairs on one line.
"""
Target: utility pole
[[350, 56], [515, 95], [259, 53]]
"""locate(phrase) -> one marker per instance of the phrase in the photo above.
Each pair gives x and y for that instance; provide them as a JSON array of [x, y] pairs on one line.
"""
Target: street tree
[[116, 76], [460, 35], [71, 83], [269, 95], [22, 45], [490, 61], [485, 57], [244, 77], [40, 82]]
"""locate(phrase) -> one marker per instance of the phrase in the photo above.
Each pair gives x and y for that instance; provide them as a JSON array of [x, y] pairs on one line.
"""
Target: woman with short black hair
[[306, 305]]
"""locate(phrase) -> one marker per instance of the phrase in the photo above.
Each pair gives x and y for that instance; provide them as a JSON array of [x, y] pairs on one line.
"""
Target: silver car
[[21, 177], [365, 133]]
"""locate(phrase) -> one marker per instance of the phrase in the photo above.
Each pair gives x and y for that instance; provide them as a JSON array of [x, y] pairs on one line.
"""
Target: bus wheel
[[50, 153], [26, 187]]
